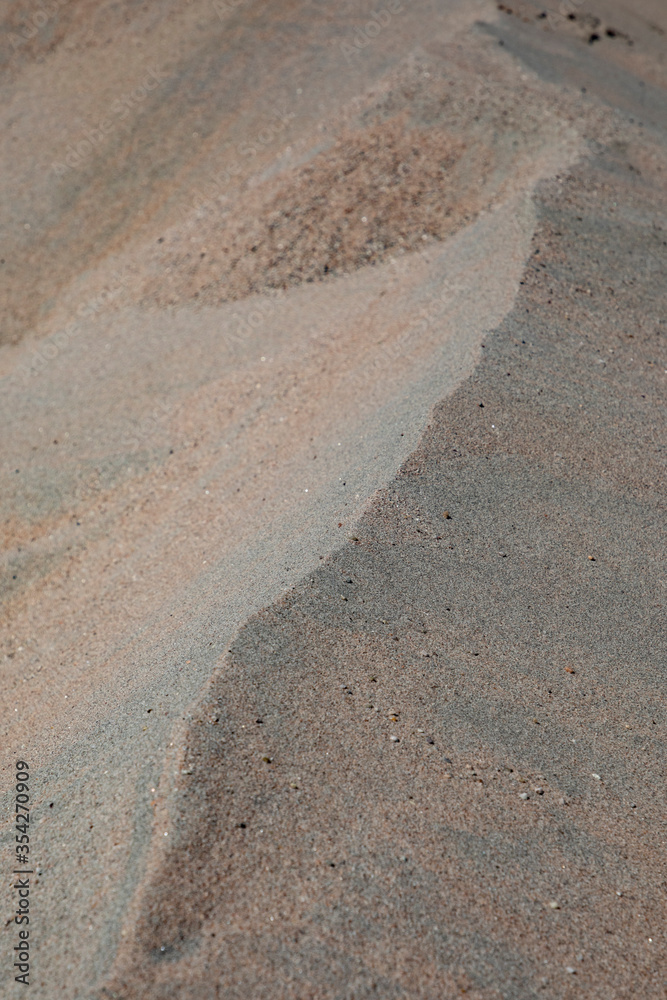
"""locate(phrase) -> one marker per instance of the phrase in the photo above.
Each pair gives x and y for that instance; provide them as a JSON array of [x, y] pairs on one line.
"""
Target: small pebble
[[568, 968], [554, 905], [597, 777], [525, 796], [394, 739]]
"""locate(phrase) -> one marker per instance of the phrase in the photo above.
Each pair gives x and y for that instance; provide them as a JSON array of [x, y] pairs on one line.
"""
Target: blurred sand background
[[332, 364]]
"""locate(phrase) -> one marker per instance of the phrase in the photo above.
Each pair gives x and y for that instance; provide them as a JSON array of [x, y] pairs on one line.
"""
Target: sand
[[403, 497]]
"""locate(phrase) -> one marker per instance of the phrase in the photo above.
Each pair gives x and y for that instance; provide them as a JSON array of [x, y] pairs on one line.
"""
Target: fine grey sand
[[514, 647], [333, 501]]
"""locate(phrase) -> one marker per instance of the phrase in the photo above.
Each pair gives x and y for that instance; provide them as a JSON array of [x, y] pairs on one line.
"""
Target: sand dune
[[332, 506]]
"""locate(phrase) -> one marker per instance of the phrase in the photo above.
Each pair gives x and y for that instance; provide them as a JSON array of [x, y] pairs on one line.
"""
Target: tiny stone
[[568, 968], [597, 777], [394, 739], [554, 905], [525, 796]]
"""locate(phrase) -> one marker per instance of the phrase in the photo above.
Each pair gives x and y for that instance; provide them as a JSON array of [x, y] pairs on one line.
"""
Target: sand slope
[[514, 648], [215, 363]]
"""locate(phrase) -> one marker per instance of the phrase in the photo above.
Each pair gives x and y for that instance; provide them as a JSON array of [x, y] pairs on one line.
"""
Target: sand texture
[[333, 504]]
